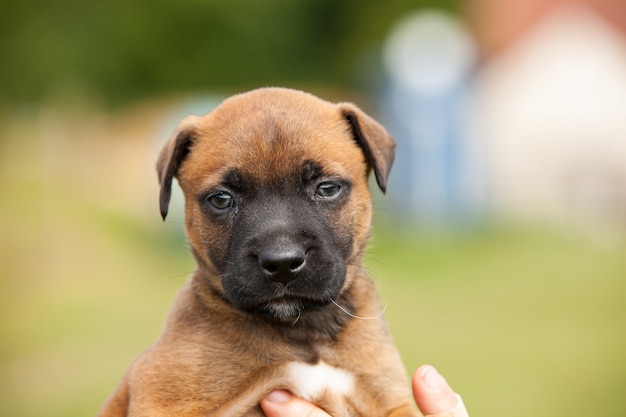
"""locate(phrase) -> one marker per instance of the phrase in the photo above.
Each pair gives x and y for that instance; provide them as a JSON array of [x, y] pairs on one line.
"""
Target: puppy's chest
[[311, 381]]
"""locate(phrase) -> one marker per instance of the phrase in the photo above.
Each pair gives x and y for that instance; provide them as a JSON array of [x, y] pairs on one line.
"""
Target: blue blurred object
[[428, 60]]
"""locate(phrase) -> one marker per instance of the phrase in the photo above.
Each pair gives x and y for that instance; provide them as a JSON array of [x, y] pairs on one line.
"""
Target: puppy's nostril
[[296, 264], [271, 268]]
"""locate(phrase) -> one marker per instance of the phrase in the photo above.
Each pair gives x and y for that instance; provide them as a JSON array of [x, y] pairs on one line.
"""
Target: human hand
[[433, 396], [281, 403]]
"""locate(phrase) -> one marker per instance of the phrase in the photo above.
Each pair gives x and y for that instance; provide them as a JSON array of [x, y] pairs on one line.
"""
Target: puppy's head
[[276, 200]]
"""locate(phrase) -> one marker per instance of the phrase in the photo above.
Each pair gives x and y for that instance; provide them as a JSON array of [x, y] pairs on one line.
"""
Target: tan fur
[[212, 359]]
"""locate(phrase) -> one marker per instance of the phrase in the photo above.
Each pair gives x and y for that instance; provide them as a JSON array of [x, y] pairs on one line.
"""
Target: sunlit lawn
[[523, 321]]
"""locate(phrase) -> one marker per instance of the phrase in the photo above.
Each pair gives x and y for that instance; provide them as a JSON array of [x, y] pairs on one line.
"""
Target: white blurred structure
[[549, 113], [524, 120]]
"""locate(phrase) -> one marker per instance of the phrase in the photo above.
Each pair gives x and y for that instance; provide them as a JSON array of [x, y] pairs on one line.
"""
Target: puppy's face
[[276, 199]]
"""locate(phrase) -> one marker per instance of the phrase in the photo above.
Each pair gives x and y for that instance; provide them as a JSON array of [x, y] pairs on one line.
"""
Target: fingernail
[[278, 396], [432, 379]]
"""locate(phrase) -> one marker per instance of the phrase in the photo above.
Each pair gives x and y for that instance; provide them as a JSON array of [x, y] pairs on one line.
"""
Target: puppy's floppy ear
[[170, 158], [378, 146]]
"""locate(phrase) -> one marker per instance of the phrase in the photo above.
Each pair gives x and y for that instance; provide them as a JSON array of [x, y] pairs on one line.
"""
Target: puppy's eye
[[221, 200], [328, 190]]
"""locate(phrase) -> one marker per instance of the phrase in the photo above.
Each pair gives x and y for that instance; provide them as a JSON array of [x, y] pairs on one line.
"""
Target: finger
[[434, 396], [281, 403]]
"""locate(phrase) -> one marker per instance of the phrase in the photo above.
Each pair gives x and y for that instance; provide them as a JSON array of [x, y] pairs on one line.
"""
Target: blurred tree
[[122, 50]]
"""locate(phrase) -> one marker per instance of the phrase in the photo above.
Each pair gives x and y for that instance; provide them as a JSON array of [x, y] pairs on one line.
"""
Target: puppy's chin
[[287, 309], [283, 310]]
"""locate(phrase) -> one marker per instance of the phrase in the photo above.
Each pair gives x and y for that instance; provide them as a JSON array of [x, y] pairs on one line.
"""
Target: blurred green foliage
[[122, 50]]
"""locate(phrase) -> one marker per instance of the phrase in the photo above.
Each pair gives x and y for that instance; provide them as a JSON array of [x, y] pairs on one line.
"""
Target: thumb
[[434, 396], [282, 403]]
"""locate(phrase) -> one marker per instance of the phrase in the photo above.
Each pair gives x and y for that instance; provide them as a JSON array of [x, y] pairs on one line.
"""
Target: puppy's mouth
[[287, 308]]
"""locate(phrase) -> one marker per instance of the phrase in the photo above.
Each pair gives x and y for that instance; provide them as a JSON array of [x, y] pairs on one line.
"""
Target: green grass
[[522, 321]]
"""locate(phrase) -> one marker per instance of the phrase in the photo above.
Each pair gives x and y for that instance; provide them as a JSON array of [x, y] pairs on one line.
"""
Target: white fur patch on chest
[[312, 380]]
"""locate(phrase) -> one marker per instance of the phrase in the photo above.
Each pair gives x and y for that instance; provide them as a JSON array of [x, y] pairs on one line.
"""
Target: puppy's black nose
[[282, 263]]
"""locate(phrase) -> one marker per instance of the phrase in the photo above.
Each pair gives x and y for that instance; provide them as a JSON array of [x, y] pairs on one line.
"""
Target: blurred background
[[499, 250]]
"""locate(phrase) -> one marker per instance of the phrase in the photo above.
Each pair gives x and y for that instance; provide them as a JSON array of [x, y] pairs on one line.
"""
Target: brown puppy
[[278, 214]]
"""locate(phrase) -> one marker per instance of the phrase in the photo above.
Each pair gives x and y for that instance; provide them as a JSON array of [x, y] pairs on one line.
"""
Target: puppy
[[277, 214]]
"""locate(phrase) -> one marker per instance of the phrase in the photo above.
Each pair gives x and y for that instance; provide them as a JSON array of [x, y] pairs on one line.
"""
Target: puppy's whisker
[[359, 317], [357, 266], [181, 275], [362, 275], [297, 318]]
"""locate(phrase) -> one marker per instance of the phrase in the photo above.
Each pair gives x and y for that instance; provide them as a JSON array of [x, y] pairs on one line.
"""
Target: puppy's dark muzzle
[[282, 262], [283, 259]]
